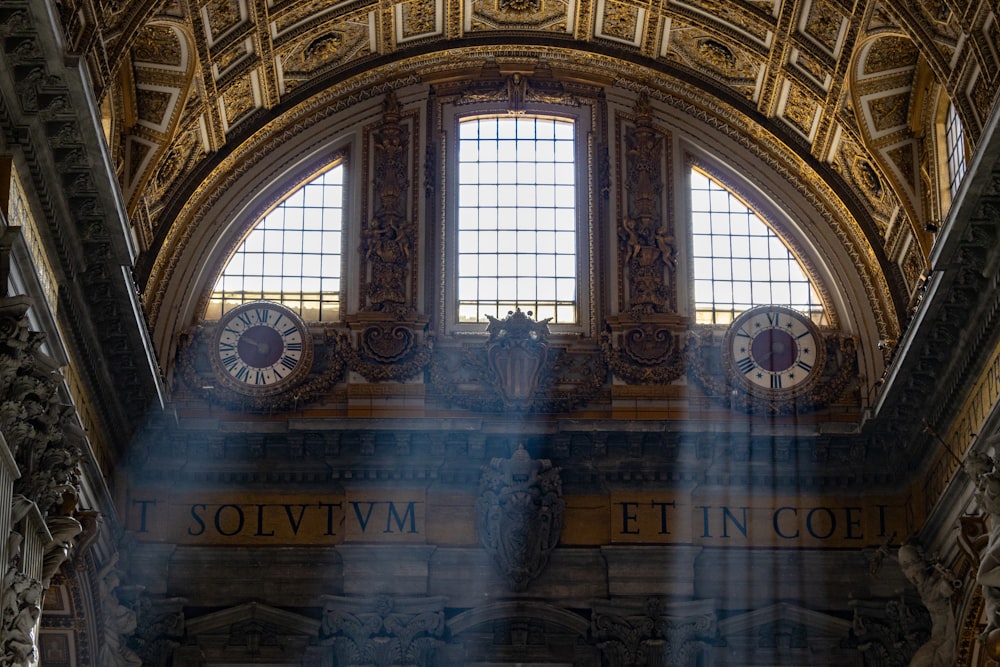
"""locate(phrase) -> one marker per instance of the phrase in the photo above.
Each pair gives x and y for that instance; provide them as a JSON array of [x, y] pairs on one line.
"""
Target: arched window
[[293, 255], [954, 136], [739, 260], [517, 218]]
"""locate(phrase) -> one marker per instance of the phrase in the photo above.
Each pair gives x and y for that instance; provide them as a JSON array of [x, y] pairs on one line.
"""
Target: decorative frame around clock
[[794, 326], [248, 313]]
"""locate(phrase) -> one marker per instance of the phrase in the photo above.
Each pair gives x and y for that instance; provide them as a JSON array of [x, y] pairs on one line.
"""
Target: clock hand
[[262, 348]]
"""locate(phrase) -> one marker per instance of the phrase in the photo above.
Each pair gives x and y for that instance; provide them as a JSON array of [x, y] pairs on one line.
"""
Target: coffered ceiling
[[855, 89]]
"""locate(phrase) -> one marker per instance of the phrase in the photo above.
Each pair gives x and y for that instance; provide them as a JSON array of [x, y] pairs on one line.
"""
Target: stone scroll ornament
[[519, 514], [653, 631]]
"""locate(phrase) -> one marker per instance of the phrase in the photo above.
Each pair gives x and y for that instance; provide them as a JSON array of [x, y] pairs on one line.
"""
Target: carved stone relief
[[389, 341], [195, 374], [637, 633], [646, 241], [516, 368], [519, 514], [383, 631], [889, 632], [388, 243], [648, 352]]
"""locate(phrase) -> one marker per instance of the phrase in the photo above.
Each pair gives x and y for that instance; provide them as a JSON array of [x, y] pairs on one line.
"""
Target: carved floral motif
[[383, 631], [632, 633], [389, 351], [644, 353]]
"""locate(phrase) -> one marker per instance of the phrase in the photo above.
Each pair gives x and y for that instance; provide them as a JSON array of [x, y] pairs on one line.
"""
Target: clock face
[[773, 349], [261, 346]]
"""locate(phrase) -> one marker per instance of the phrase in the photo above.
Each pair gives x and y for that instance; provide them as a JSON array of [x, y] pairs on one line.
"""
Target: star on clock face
[[773, 349]]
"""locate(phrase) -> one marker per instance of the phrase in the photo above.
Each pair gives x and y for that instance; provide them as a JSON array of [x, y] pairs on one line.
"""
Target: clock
[[261, 348], [774, 352]]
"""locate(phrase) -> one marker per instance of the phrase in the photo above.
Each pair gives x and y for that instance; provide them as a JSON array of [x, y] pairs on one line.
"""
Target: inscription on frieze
[[396, 516]]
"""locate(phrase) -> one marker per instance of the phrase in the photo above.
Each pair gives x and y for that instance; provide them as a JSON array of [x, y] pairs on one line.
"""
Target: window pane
[[517, 189], [288, 251], [955, 138], [739, 261]]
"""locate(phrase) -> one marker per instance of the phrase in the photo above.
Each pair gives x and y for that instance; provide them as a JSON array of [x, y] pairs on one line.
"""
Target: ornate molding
[[195, 371], [889, 632], [389, 242], [519, 514], [647, 248], [388, 349]]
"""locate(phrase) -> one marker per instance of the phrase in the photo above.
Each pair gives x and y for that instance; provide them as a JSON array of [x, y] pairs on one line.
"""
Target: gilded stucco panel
[[722, 59], [330, 46], [544, 15], [417, 19], [800, 109], [240, 98], [620, 22], [222, 17], [745, 24], [825, 24]]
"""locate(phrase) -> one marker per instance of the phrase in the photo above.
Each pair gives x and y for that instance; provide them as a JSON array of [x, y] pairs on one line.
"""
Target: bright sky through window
[[517, 241], [955, 139], [291, 256], [739, 261]]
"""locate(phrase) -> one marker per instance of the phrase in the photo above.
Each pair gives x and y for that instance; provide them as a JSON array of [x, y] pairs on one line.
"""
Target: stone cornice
[[956, 326], [50, 121]]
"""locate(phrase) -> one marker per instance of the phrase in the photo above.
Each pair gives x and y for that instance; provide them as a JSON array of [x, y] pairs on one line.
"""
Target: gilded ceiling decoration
[[846, 86]]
